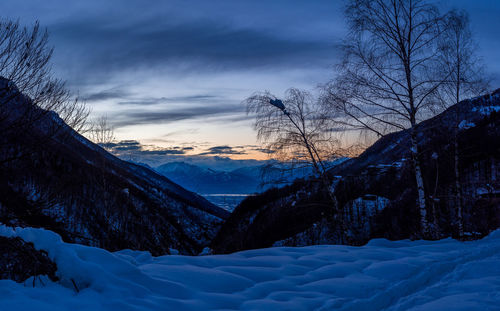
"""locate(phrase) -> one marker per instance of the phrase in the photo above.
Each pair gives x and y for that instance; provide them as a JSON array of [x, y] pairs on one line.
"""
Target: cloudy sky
[[172, 74]]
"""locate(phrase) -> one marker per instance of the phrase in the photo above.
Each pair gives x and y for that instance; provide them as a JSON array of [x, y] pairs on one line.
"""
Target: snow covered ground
[[383, 275]]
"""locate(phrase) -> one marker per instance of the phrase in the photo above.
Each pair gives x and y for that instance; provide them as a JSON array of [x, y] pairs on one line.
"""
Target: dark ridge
[[52, 177], [376, 190]]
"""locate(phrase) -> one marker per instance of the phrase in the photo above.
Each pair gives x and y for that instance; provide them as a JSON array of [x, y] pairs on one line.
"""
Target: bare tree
[[295, 131], [25, 57], [387, 76], [466, 79], [101, 132]]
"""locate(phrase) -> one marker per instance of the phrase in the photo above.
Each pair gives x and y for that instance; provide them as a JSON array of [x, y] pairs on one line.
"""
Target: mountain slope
[[52, 177], [376, 190]]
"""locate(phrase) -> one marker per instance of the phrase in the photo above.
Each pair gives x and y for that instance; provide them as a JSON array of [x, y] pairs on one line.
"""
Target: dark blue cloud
[[97, 42], [138, 150], [100, 38], [190, 99], [112, 94], [224, 150], [103, 50], [135, 117], [264, 150]]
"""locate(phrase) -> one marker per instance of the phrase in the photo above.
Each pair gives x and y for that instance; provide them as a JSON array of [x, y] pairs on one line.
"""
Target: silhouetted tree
[[28, 91], [101, 132], [25, 57], [466, 79], [388, 74], [296, 131]]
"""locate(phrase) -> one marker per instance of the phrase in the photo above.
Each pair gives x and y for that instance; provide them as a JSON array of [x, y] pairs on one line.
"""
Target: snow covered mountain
[[209, 181], [243, 180], [52, 177], [382, 275], [376, 190]]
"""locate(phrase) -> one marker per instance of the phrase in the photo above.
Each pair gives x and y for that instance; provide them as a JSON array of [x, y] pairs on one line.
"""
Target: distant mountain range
[[207, 181], [243, 180]]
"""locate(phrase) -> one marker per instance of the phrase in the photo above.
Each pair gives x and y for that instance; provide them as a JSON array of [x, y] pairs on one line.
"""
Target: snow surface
[[383, 275]]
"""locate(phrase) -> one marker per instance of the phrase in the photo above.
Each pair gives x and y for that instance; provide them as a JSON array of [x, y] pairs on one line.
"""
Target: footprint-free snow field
[[383, 275]]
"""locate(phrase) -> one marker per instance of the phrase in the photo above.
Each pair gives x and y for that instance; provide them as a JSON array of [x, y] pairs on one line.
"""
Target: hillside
[[52, 177], [376, 190]]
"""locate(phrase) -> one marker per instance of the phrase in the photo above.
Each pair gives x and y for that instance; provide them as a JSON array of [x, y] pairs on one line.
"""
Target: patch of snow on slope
[[486, 110], [383, 275], [465, 125]]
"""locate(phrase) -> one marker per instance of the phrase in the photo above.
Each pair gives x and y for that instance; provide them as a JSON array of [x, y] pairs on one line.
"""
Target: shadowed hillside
[[52, 177], [376, 190]]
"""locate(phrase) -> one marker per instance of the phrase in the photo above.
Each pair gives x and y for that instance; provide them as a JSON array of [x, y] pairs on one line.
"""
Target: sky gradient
[[171, 75]]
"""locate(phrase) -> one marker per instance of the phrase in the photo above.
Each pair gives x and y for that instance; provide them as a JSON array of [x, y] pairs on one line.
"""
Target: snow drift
[[382, 275]]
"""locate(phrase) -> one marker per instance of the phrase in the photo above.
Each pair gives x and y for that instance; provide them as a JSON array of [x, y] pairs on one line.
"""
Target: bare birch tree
[[295, 130], [101, 132], [466, 79], [387, 76]]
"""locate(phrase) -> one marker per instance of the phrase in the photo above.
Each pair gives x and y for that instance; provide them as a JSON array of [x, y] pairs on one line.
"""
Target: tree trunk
[[458, 187], [323, 175], [424, 225]]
